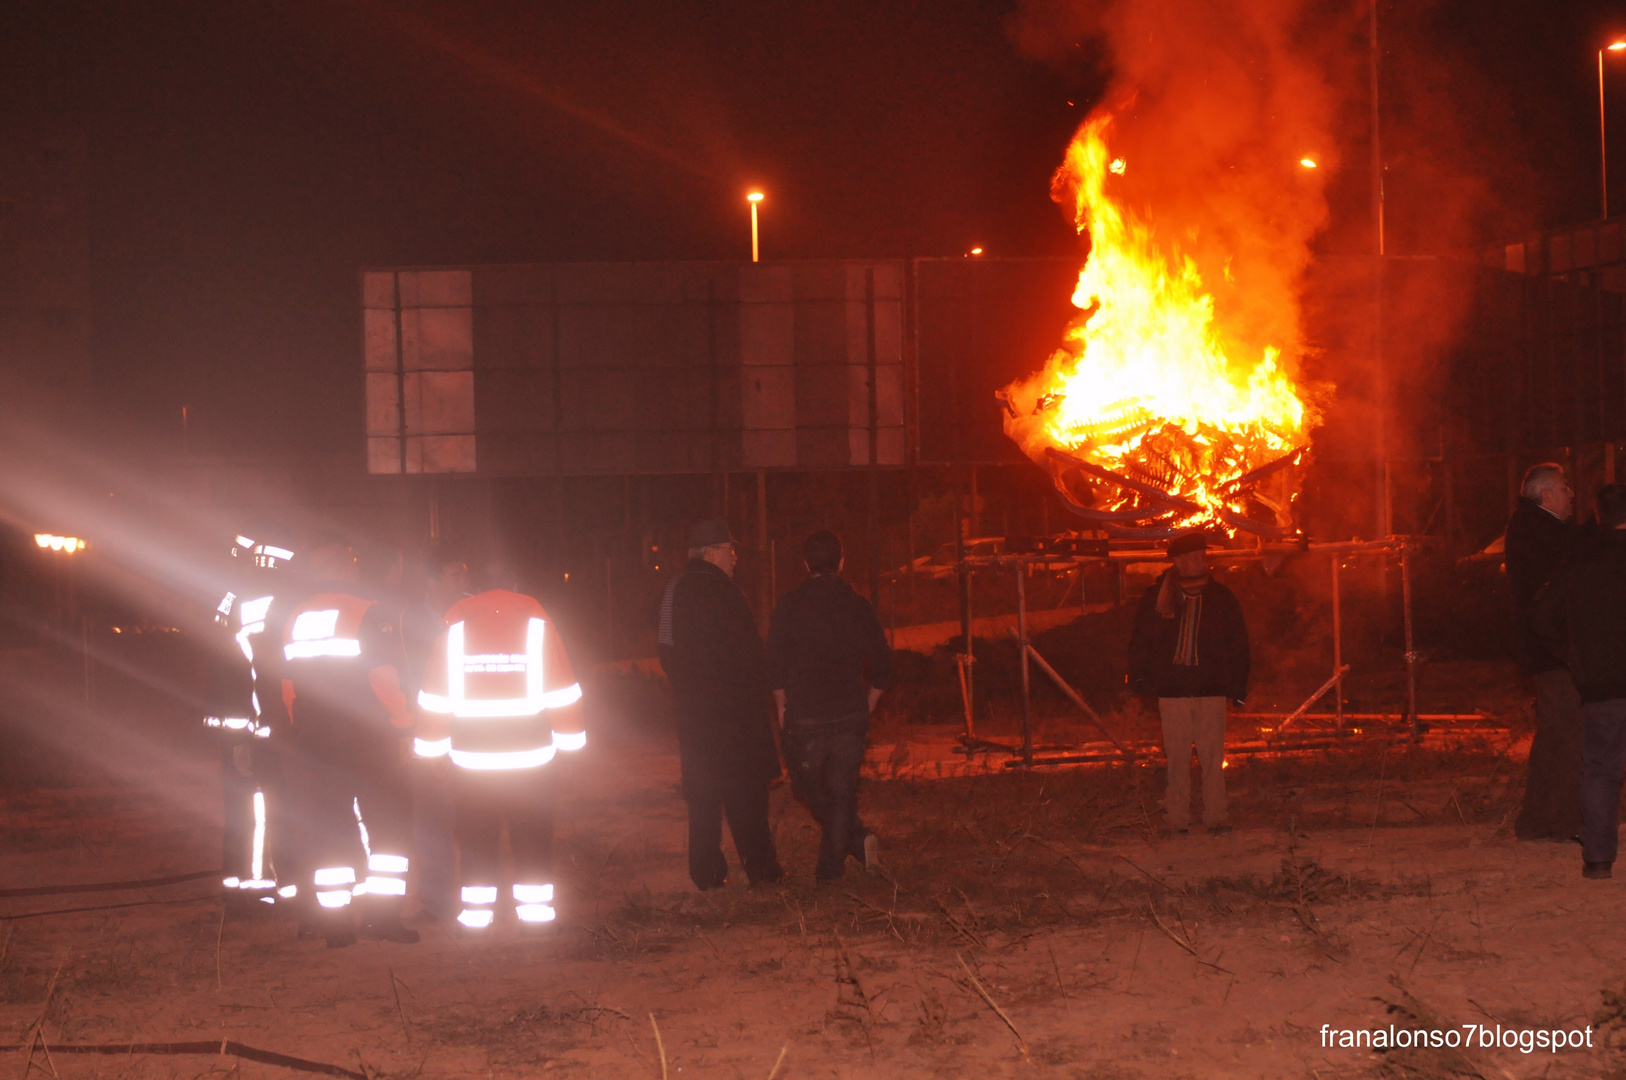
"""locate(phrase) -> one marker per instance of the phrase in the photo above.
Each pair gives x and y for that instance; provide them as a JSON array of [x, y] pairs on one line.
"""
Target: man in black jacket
[[1581, 618], [822, 638], [1539, 540], [1189, 648], [712, 654]]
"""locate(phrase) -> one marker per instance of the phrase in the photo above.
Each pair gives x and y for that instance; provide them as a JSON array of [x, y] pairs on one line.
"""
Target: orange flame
[[1148, 383]]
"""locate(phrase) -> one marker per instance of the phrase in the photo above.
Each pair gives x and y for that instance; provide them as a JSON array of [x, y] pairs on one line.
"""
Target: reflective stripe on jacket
[[498, 689]]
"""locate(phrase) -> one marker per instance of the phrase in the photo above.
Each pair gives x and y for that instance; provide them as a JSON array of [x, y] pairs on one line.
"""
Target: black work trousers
[[329, 786], [1552, 787], [711, 793], [246, 769], [825, 756], [484, 800], [237, 788], [1603, 763]]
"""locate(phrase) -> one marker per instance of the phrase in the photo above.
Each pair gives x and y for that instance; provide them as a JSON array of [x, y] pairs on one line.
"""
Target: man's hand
[[874, 696], [779, 700]]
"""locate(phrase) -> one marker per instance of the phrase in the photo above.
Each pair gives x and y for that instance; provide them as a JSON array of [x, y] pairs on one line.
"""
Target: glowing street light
[[65, 544], [1308, 163], [975, 251], [1603, 154], [754, 198]]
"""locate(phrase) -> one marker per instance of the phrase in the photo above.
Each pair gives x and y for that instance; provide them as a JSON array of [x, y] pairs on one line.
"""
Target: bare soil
[[1023, 924]]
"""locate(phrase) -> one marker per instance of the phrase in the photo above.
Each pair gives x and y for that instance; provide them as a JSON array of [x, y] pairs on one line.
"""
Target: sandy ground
[[1025, 925]]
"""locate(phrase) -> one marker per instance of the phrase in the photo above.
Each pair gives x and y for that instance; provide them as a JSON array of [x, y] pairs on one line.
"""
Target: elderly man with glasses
[[713, 656], [1540, 539]]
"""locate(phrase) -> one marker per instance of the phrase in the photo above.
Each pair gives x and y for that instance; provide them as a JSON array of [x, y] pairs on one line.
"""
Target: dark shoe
[[340, 939], [1597, 869], [714, 883], [1219, 830], [1169, 830], [389, 930], [773, 875]]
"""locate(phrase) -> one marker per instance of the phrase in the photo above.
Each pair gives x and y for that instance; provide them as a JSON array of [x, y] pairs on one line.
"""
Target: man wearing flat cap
[[713, 656], [1189, 649]]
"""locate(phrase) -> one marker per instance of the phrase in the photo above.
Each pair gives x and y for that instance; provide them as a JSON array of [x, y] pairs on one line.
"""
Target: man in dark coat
[[712, 654], [822, 639], [1581, 618], [1189, 649], [1540, 538]]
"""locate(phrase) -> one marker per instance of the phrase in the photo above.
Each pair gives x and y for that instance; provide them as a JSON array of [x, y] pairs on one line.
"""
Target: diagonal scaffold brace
[[1074, 696]]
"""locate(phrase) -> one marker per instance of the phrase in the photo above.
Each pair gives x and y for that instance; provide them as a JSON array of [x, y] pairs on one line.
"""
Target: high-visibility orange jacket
[[340, 669], [498, 690]]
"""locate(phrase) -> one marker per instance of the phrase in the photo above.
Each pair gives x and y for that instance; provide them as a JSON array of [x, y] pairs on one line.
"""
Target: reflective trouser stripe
[[384, 875], [477, 902]]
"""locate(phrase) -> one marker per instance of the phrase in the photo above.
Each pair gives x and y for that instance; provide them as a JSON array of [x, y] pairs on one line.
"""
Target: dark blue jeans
[[1603, 759], [824, 757]]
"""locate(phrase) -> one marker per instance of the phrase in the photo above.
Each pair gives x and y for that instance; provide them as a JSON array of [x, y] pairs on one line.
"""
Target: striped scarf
[[1185, 642], [1190, 612]]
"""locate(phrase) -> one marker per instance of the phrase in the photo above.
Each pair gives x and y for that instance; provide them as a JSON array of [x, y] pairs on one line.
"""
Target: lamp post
[[1603, 150], [754, 198]]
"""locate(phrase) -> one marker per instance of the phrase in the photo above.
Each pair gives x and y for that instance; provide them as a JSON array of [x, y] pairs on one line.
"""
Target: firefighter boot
[[380, 918]]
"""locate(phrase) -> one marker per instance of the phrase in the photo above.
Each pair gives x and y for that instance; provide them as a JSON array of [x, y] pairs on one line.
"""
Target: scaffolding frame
[[1018, 565]]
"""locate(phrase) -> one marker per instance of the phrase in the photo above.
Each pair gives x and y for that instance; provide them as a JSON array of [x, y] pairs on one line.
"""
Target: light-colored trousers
[[1194, 722]]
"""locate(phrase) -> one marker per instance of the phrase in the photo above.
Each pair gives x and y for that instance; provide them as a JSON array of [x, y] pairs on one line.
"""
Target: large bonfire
[[1148, 418]]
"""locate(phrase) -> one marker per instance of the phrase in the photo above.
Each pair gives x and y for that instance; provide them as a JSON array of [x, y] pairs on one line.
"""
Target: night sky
[[246, 160]]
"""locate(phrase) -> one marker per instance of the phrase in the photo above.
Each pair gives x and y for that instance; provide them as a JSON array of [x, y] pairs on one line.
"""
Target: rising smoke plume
[[1215, 104]]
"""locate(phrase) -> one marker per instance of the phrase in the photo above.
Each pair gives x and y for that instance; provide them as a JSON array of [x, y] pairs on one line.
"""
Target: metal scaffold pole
[[1027, 685]]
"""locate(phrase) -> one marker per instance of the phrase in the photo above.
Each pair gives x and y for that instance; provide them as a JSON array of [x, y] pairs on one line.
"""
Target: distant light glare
[[755, 196], [65, 544], [1308, 163], [1617, 46], [976, 251]]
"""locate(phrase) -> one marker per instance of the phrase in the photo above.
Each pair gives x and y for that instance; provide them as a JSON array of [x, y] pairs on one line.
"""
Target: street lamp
[[754, 198], [1603, 155]]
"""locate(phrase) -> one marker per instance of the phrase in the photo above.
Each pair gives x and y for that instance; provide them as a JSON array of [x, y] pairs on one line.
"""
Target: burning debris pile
[[1147, 419], [1175, 401]]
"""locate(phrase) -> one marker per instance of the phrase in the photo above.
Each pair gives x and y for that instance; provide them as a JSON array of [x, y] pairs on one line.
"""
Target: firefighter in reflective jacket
[[238, 717], [349, 719], [498, 699]]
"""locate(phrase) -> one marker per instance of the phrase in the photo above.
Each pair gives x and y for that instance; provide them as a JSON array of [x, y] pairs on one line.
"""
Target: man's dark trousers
[[744, 799], [1552, 799], [1603, 759], [825, 757]]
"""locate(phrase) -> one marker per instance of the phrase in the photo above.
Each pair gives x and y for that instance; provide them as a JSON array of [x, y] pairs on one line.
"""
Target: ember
[[1149, 418]]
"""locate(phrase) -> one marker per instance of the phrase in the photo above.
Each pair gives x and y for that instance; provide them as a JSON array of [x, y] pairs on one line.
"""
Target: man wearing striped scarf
[[1189, 649]]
